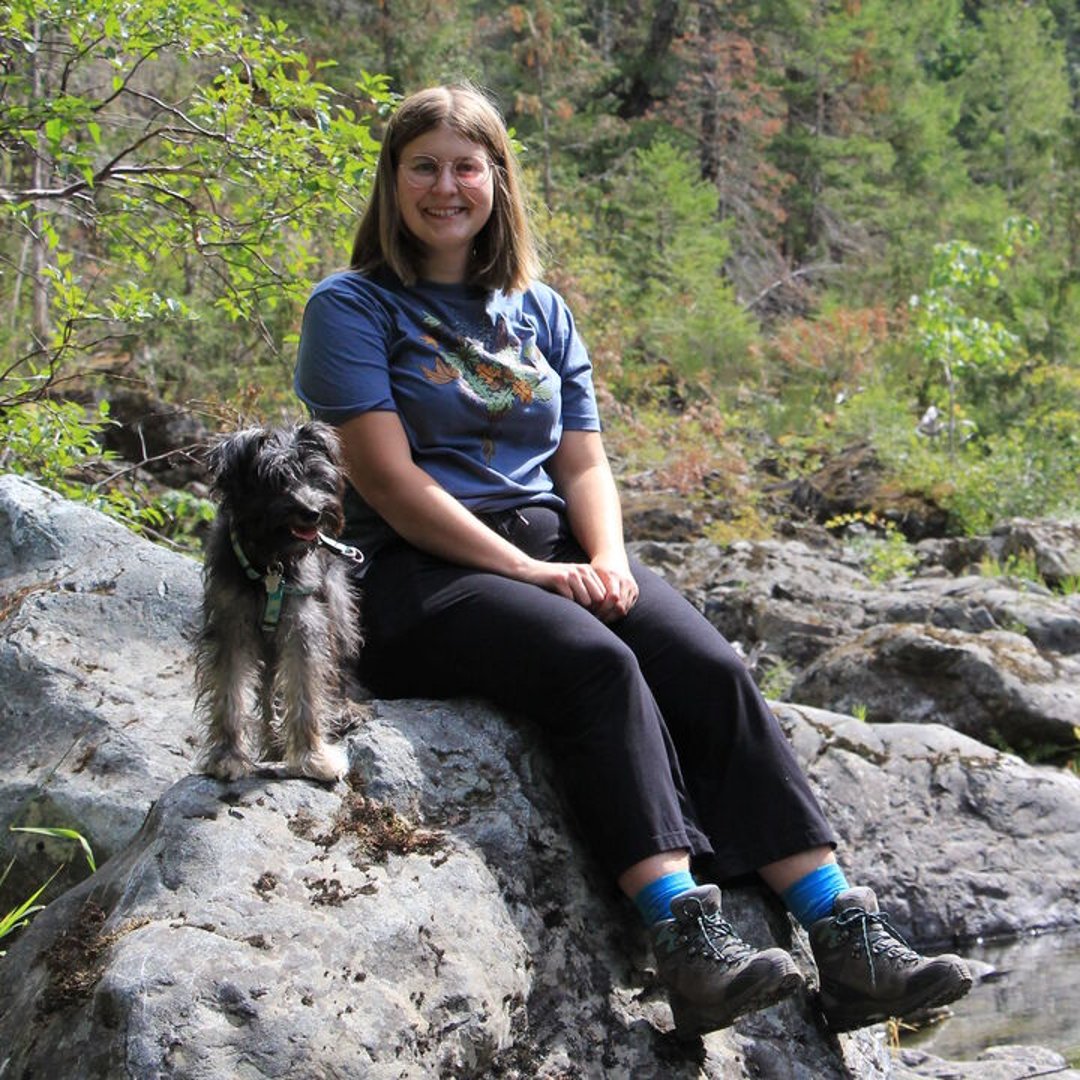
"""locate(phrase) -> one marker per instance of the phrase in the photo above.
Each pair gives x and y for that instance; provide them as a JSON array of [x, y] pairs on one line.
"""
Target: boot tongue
[[861, 897], [704, 900]]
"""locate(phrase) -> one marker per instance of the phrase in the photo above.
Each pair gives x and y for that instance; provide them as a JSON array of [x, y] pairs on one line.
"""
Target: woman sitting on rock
[[496, 567]]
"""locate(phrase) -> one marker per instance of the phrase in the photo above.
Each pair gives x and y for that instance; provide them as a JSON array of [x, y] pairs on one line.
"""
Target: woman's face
[[444, 200]]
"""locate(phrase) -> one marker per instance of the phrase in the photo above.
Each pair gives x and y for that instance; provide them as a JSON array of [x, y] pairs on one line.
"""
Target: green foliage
[[21, 914], [885, 556], [1021, 565], [950, 333], [185, 518], [172, 164], [1016, 96], [777, 679], [62, 834], [1029, 471], [176, 174], [47, 439], [671, 250]]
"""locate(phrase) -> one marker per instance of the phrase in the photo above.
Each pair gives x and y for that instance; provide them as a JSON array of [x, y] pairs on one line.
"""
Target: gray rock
[[800, 601], [956, 838], [996, 685], [997, 1063], [309, 932], [979, 604], [795, 600], [232, 930], [271, 923], [439, 917], [934, 648], [95, 716], [1055, 545]]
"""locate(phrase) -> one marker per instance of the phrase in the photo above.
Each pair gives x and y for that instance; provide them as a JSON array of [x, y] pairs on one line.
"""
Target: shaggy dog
[[277, 600]]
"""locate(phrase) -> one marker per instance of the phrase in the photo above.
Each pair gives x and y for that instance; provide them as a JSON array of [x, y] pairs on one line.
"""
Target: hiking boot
[[712, 976], [868, 972]]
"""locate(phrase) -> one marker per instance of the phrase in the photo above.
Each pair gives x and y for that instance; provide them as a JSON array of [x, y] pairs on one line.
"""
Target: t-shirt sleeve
[[342, 366], [570, 359]]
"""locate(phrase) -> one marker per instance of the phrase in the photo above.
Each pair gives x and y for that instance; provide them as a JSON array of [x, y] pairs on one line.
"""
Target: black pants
[[661, 736]]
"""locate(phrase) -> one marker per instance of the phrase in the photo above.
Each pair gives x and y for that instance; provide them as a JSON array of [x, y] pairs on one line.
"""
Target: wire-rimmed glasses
[[424, 171]]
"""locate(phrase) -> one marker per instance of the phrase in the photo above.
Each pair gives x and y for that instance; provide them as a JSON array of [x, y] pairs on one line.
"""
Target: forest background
[[785, 227]]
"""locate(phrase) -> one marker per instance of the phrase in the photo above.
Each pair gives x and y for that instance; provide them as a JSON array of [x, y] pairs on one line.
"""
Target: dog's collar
[[274, 577], [273, 581]]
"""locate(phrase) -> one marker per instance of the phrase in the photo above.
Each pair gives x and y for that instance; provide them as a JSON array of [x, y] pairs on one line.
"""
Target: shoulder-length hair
[[504, 253]]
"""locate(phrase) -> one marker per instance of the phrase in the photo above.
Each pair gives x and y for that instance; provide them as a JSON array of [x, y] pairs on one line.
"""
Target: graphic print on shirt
[[496, 378]]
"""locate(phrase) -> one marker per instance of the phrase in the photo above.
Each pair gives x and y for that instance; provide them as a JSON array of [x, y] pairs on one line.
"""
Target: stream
[[1033, 1000]]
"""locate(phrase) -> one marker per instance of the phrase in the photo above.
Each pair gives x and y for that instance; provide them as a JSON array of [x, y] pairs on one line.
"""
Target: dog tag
[[273, 582]]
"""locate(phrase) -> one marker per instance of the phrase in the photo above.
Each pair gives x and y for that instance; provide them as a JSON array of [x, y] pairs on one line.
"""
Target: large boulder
[[995, 657], [439, 915], [1054, 545], [960, 839], [995, 686], [313, 932], [96, 713]]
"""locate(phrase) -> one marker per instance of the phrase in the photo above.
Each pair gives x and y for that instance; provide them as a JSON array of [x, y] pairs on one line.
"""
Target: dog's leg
[[223, 665], [305, 674], [270, 748]]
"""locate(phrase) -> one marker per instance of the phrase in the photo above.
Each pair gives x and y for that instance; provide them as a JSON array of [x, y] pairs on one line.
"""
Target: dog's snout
[[305, 507]]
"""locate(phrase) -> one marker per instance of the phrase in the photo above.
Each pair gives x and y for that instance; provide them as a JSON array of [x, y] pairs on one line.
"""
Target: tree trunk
[[40, 316], [709, 145], [639, 96]]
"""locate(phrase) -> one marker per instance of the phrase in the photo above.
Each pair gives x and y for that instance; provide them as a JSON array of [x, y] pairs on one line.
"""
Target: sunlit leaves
[[182, 140], [950, 332]]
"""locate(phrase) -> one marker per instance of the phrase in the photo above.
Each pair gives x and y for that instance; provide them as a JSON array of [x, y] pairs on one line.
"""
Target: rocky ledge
[[437, 915]]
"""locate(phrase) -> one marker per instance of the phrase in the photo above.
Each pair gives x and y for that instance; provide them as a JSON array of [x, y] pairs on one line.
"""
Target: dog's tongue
[[307, 534]]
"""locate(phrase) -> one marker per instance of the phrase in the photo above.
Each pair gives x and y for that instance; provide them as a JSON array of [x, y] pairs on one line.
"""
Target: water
[[1035, 1001]]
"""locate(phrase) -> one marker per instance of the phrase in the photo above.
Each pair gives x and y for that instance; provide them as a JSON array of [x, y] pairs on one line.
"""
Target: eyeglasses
[[423, 172]]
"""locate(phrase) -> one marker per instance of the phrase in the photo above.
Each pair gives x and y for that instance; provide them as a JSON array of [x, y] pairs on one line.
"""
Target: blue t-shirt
[[484, 383]]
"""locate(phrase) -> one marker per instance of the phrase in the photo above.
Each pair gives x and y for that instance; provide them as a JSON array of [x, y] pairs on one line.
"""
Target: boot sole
[[842, 1018], [693, 1020]]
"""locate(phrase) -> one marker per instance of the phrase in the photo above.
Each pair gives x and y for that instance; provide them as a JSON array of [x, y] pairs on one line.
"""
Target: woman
[[496, 566]]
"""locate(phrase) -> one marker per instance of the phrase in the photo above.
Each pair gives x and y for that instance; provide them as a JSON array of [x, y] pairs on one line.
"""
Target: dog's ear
[[320, 437], [232, 454]]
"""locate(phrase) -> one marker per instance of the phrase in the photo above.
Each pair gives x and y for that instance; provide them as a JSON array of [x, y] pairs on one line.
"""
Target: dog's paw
[[225, 764], [323, 762]]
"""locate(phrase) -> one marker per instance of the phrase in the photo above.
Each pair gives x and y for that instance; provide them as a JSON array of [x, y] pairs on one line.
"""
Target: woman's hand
[[620, 586], [579, 582]]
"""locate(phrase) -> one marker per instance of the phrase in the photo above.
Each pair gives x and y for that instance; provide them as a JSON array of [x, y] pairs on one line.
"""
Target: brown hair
[[504, 252]]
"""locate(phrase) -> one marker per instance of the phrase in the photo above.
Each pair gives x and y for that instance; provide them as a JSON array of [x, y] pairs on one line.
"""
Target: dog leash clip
[[346, 551]]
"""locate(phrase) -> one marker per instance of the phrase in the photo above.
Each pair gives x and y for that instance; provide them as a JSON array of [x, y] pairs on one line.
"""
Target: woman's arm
[[583, 477], [380, 466]]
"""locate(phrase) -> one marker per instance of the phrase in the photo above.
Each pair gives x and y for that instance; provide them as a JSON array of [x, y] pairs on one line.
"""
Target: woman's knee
[[601, 661]]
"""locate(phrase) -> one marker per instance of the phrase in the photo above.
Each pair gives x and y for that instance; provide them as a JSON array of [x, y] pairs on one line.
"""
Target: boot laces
[[719, 938], [879, 936]]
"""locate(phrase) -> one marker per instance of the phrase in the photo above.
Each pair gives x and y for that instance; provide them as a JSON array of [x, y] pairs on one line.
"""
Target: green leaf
[[19, 916], [55, 129], [62, 834]]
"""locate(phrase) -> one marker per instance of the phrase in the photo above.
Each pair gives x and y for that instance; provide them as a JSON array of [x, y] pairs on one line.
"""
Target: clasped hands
[[603, 586]]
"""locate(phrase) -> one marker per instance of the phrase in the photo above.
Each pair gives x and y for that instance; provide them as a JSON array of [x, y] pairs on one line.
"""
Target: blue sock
[[654, 901], [811, 897]]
